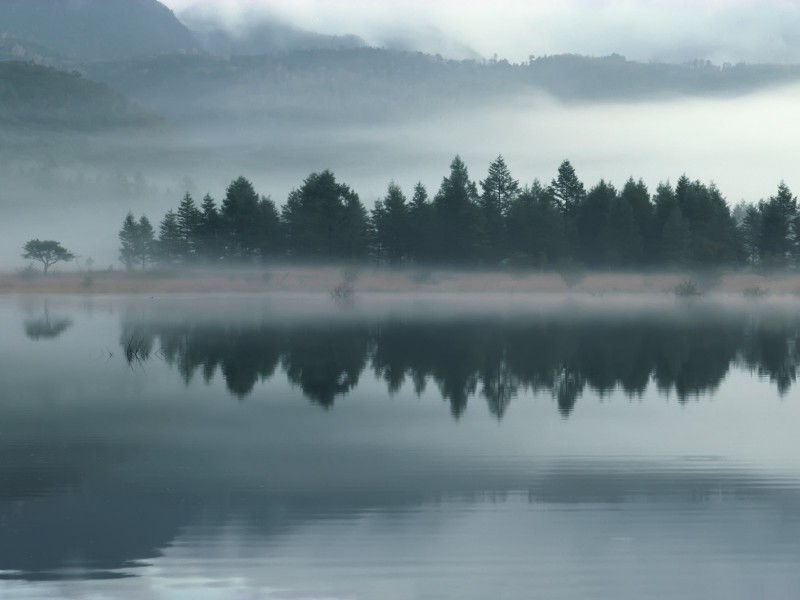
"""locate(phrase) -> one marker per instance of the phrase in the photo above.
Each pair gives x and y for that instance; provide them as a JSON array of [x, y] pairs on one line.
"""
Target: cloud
[[676, 30]]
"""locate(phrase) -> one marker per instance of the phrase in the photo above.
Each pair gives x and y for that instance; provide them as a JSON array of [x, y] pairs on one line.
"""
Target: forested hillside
[[96, 29], [34, 96], [364, 84]]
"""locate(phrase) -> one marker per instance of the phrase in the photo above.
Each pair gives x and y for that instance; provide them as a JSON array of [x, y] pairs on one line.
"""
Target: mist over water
[[330, 382], [174, 482]]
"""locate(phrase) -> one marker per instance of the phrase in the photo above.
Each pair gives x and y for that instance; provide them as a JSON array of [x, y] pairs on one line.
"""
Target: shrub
[[687, 289]]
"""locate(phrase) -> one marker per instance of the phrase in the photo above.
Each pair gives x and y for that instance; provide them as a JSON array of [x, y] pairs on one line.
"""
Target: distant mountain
[[359, 86], [263, 37], [96, 29], [12, 48], [58, 118], [46, 99]]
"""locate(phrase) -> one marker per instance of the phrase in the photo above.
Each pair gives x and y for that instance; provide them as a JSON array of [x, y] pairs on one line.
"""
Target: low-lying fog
[[746, 145]]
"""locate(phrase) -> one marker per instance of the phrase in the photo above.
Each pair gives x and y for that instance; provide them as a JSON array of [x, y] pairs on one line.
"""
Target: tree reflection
[[494, 359], [46, 327]]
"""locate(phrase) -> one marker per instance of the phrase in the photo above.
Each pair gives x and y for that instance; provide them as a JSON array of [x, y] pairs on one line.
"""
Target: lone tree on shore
[[47, 252]]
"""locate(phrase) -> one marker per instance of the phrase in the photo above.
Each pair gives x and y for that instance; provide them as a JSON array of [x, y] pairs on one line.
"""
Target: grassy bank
[[325, 279]]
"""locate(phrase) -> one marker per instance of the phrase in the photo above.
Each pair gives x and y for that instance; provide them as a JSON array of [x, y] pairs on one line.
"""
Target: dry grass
[[324, 279]]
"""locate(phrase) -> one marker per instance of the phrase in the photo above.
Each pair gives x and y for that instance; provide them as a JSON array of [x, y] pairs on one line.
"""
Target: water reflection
[[46, 327], [137, 483], [491, 358]]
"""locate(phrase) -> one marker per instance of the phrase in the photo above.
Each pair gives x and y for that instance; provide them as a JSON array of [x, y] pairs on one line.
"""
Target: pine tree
[[128, 238], [421, 226], [637, 196], [591, 222], [750, 233], [269, 229], [459, 233], [536, 228], [325, 219], [500, 189], [778, 233], [241, 217], [390, 219], [624, 238], [567, 189], [675, 239], [210, 233], [189, 218], [145, 247], [169, 239]]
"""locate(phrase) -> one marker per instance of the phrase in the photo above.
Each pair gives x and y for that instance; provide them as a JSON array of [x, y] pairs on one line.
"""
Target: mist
[[721, 31], [746, 145]]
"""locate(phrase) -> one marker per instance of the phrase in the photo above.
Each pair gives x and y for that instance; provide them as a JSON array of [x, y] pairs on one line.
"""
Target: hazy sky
[[719, 30]]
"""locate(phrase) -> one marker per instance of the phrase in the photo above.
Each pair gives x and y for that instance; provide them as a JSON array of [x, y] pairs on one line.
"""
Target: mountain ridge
[[90, 30]]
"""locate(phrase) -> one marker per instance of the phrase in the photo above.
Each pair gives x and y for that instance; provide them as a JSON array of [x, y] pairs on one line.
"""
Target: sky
[[668, 30]]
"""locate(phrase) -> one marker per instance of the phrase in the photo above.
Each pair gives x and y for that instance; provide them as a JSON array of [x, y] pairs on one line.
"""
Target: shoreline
[[303, 279]]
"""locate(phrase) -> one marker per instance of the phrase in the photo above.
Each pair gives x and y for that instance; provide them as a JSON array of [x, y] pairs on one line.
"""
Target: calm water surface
[[470, 447]]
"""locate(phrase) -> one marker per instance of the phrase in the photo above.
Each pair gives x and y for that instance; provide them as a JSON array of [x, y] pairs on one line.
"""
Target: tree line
[[490, 222]]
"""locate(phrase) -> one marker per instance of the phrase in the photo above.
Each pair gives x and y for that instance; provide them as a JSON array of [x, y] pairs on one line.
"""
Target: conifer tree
[[189, 217], [536, 228], [390, 219], [145, 241], [325, 219], [675, 239], [128, 240], [567, 189], [459, 233], [500, 189], [241, 217], [169, 239], [210, 233], [421, 226]]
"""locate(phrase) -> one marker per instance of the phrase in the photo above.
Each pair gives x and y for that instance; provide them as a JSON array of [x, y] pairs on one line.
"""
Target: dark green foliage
[[421, 225], [690, 225], [500, 190], [778, 227], [675, 239], [241, 215], [170, 245], [146, 246], [536, 228], [624, 236], [567, 190], [127, 238], [34, 97], [391, 220], [591, 218], [636, 195], [324, 219], [750, 231], [189, 218], [712, 230], [457, 216], [47, 252], [210, 234]]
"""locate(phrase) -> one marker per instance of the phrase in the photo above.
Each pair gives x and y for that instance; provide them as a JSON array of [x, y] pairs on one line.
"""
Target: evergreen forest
[[491, 222]]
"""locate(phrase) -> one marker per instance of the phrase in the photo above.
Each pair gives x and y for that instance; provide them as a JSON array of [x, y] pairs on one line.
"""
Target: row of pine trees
[[496, 221]]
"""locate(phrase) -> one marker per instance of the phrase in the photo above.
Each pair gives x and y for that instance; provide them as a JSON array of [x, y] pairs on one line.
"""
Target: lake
[[398, 447]]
